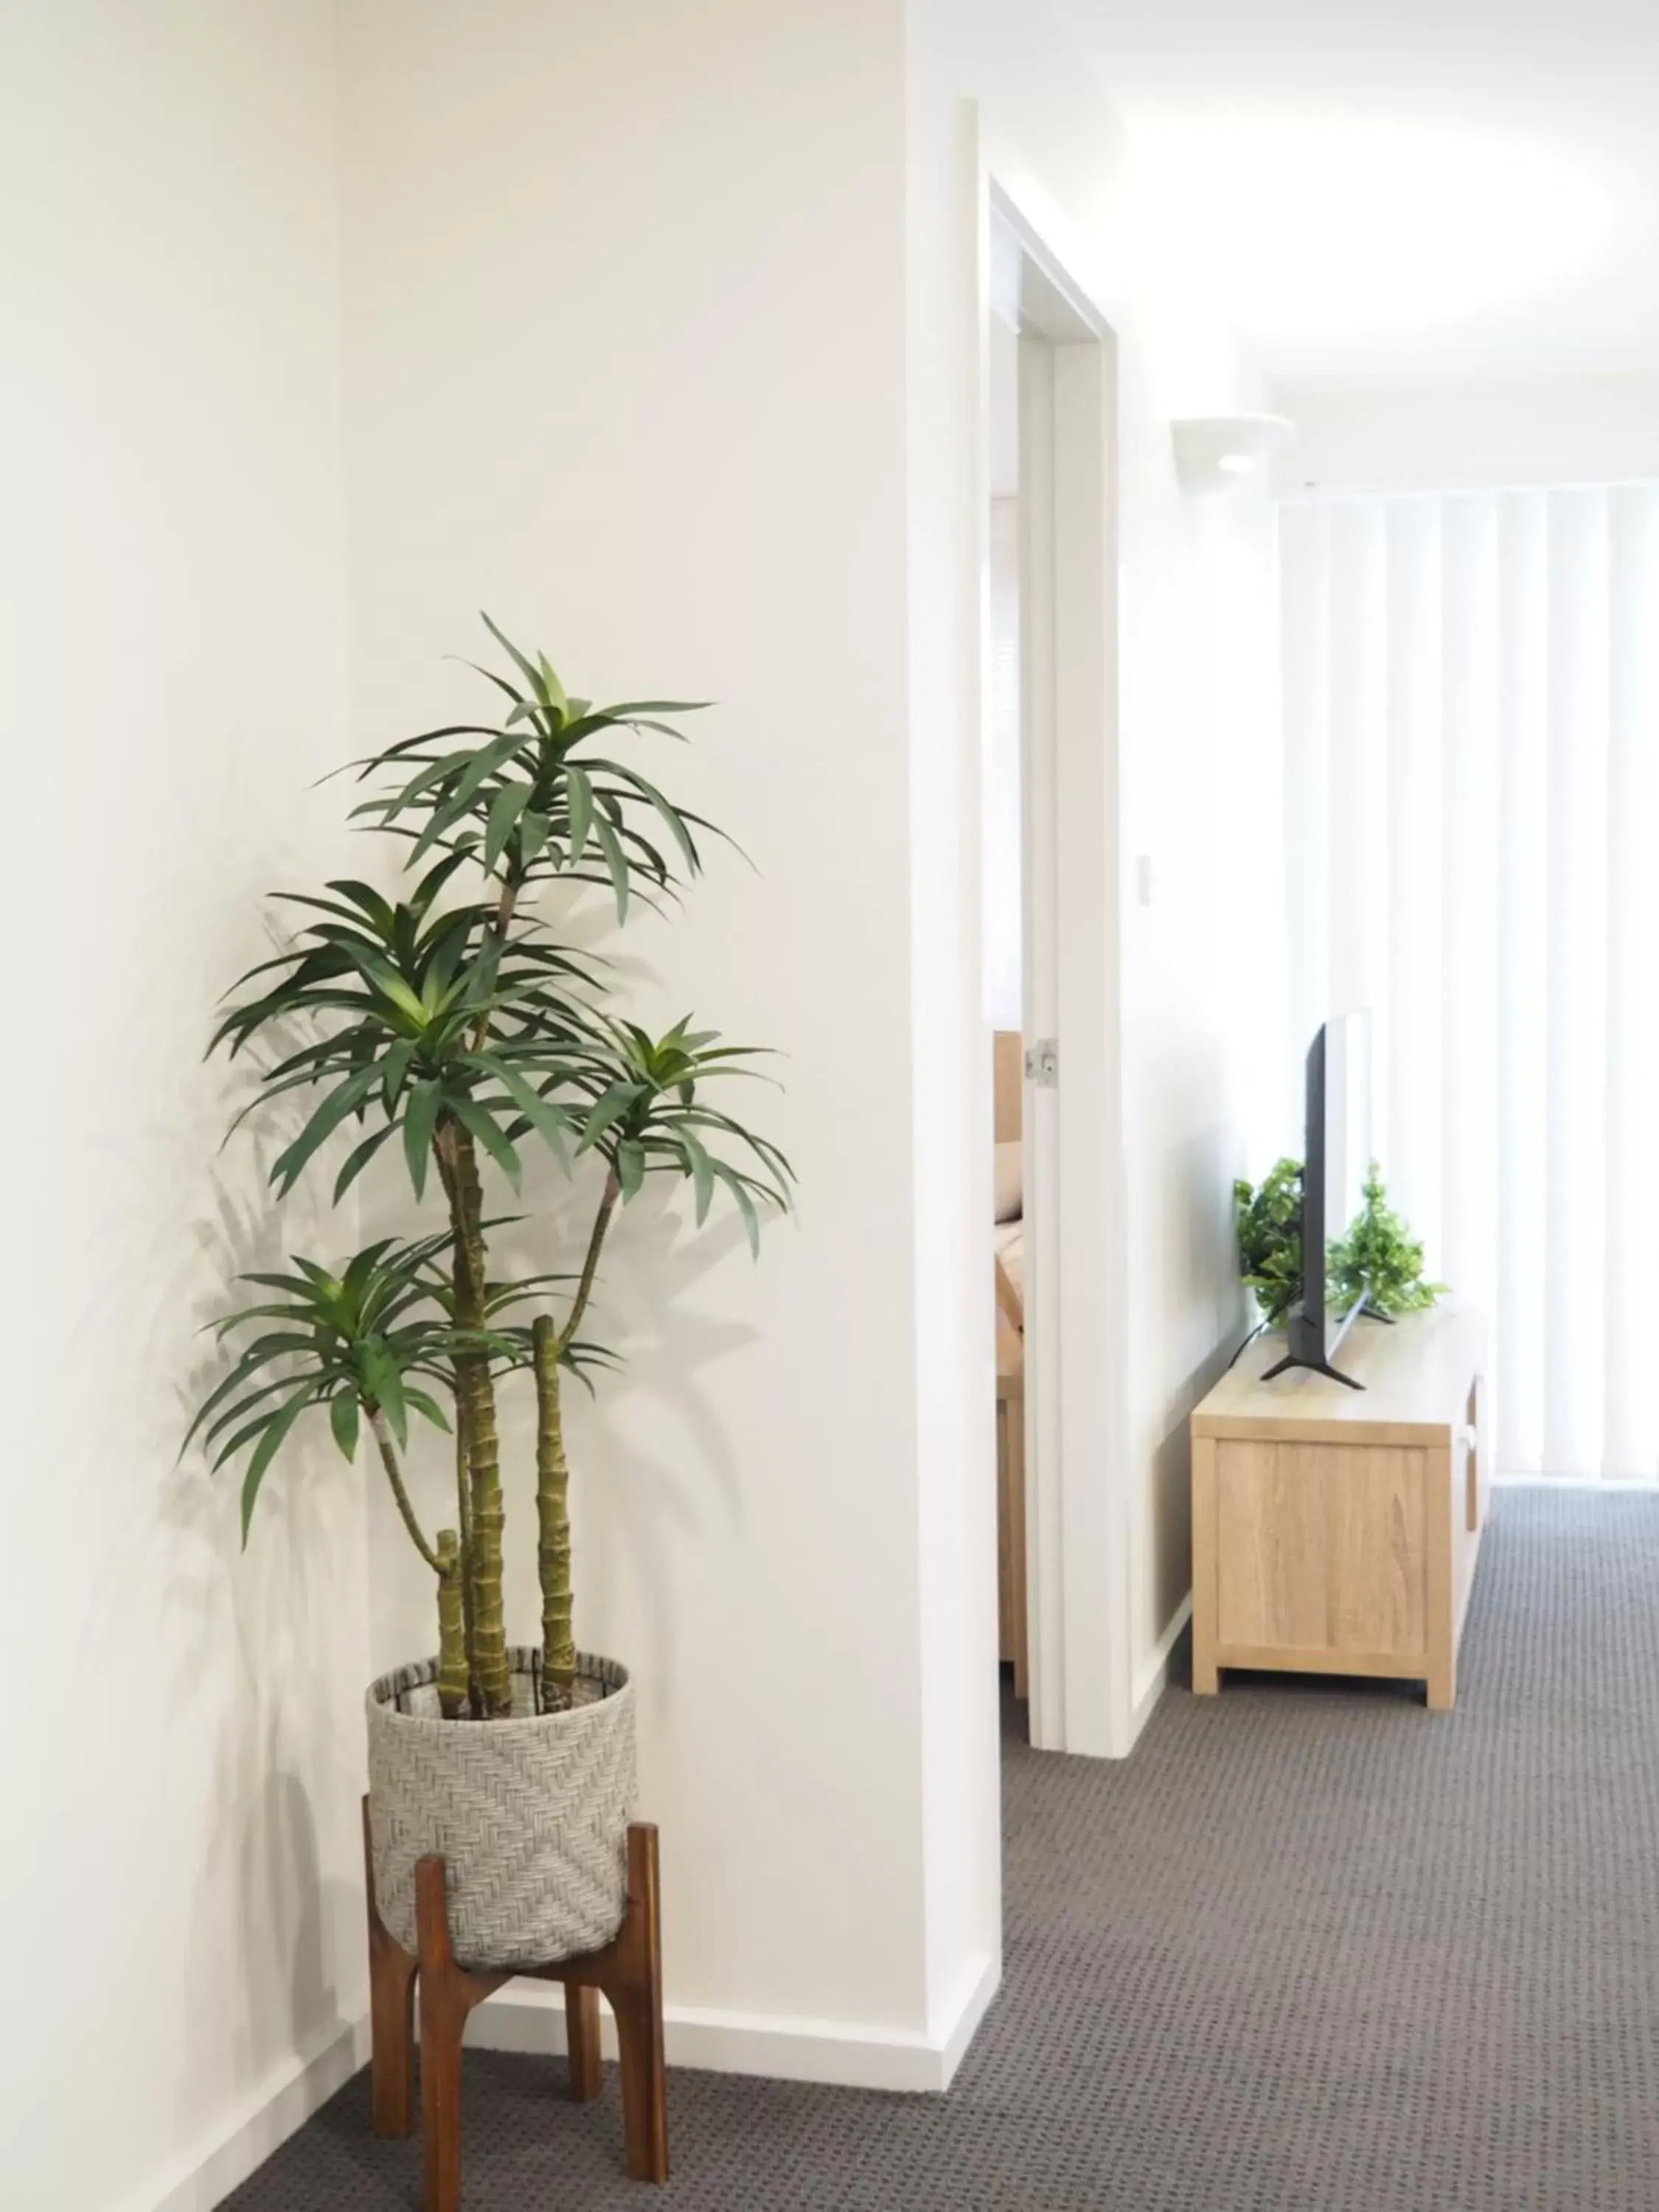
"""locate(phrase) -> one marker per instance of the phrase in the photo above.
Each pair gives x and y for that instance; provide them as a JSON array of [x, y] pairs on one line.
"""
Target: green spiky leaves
[[425, 1014], [443, 1030], [379, 1336], [648, 1112], [354, 1342], [544, 794]]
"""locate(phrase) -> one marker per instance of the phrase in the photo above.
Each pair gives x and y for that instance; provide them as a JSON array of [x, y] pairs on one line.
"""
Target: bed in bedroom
[[1008, 1085]]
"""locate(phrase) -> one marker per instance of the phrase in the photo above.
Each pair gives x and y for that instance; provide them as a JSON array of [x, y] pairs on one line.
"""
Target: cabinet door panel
[[1320, 1547], [1378, 1535], [1270, 1512]]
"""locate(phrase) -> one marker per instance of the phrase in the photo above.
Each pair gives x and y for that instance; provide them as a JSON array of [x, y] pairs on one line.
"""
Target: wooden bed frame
[[1008, 1084]]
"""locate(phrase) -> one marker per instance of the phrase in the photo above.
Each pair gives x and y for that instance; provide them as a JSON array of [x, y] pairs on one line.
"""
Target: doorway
[[1052, 925]]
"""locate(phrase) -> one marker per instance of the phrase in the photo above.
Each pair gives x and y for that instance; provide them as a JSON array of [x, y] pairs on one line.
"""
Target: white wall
[[684, 390], [634, 383], [1198, 760], [1003, 907], [1005, 918], [179, 1852], [1404, 435]]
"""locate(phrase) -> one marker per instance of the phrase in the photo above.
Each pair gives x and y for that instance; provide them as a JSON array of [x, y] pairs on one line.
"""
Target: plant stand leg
[[449, 1993], [636, 1992], [392, 1973], [581, 2020], [628, 1971]]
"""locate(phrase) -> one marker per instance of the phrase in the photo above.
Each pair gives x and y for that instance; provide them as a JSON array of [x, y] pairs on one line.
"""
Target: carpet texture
[[1311, 1949]]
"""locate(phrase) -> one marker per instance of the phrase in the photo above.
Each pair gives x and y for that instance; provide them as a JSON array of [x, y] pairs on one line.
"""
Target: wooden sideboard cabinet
[[1335, 1531]]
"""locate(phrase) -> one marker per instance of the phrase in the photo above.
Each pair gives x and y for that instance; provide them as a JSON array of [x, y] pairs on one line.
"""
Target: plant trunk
[[607, 1206], [452, 1628], [553, 1518], [477, 1396], [463, 1510]]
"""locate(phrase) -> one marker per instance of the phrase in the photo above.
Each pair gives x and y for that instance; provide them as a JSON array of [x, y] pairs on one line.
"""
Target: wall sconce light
[[1212, 453]]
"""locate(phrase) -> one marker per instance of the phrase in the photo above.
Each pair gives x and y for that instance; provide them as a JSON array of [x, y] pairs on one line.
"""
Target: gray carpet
[[1309, 1950]]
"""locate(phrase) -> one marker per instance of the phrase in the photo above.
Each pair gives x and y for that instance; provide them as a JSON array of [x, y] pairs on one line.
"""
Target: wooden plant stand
[[627, 1970]]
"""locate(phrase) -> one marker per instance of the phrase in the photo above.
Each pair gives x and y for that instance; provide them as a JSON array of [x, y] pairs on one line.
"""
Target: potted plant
[[1268, 1221], [1378, 1259], [447, 1029]]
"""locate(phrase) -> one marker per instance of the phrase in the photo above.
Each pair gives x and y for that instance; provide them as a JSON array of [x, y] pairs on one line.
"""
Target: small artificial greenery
[[1378, 1257], [1269, 1225]]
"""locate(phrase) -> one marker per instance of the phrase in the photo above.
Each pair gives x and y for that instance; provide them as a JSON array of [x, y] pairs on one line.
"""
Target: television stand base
[[1315, 1367]]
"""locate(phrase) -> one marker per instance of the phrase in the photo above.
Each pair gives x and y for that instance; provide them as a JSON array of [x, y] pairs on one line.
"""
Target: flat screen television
[[1336, 1154]]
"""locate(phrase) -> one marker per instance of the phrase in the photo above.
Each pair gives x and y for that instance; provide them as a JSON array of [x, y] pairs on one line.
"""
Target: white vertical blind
[[1574, 1214], [1517, 1319], [1632, 1445], [1470, 690], [1466, 1107], [1304, 539], [1408, 1108]]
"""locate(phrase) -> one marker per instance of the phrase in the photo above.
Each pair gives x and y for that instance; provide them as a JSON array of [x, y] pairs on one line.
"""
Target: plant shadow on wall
[[1378, 1259], [254, 1663], [449, 1031]]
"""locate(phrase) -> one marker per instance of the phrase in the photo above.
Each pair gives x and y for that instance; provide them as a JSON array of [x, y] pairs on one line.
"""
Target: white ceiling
[[1422, 188]]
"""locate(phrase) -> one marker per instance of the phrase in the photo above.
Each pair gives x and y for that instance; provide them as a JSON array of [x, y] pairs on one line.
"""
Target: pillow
[[1010, 1250], [1011, 1180]]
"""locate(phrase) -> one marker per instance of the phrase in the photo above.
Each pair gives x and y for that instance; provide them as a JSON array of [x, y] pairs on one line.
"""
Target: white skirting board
[[1150, 1688], [530, 2016], [208, 2173]]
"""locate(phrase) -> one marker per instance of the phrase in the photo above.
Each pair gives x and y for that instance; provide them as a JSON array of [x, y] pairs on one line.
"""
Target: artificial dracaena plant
[[448, 1025]]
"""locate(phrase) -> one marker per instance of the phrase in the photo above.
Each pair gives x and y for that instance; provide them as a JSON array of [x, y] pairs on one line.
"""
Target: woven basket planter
[[530, 1814]]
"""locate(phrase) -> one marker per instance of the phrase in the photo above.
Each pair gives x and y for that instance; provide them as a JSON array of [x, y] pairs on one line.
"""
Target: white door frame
[[1076, 1453]]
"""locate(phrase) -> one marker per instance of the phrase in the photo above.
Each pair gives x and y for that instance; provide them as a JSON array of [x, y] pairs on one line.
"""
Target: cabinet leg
[[1018, 1569], [582, 2023], [391, 2015], [1207, 1675], [1441, 1573]]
